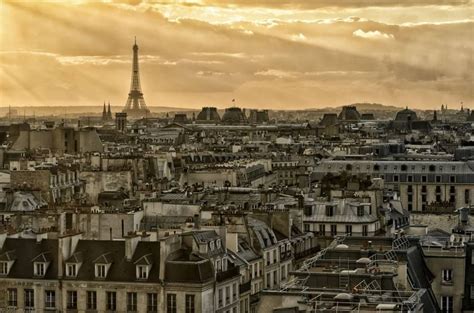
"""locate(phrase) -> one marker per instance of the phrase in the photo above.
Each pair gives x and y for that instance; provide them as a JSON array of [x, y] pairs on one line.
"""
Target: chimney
[[3, 237], [197, 221], [131, 243], [464, 216]]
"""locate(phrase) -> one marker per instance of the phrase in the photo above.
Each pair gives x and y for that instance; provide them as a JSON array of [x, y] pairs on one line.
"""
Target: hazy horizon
[[265, 54]]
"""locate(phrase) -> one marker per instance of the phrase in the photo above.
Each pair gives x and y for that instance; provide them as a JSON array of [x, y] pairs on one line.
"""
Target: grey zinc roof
[[183, 267]]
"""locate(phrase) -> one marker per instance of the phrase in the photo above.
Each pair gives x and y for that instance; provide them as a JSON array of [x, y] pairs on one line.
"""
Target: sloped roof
[[28, 250]]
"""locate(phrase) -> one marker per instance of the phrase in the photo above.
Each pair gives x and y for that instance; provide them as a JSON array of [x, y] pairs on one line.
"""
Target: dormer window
[[102, 265], [100, 270], [360, 211], [71, 270], [218, 243], [211, 245], [143, 266], [3, 268], [73, 264], [40, 264], [142, 271], [39, 268]]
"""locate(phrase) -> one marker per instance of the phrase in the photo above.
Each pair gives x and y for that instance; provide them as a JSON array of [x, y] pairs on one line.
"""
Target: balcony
[[285, 256], [245, 287], [230, 273], [306, 253]]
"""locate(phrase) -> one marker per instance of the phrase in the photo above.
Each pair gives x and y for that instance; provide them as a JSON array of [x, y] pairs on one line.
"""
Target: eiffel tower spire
[[135, 103]]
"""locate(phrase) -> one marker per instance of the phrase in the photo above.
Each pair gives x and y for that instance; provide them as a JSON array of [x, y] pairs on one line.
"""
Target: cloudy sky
[[293, 54]]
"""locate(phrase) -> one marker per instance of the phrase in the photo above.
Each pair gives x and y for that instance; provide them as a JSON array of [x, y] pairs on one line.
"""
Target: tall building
[[135, 105]]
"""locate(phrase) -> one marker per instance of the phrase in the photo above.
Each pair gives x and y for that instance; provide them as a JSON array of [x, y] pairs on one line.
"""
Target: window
[[234, 292], [447, 275], [171, 303], [410, 178], [227, 295], [423, 178], [333, 230], [322, 229], [3, 268], [71, 270], [50, 299], [395, 178], [274, 256], [142, 272], [39, 269], [452, 179], [190, 304], [29, 298], [12, 294], [447, 304], [438, 178], [152, 302], [91, 301], [365, 230], [360, 211], [111, 303], [349, 230], [467, 198], [72, 300], [100, 271], [472, 292], [329, 210], [220, 298], [131, 301]]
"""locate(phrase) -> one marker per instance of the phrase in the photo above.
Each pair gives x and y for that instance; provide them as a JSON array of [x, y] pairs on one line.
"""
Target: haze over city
[[267, 54]]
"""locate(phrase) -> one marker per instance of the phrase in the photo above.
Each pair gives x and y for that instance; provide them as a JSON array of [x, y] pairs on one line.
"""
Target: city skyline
[[275, 55]]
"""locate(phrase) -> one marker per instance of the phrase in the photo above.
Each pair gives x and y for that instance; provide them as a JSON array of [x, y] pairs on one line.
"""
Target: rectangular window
[[365, 230], [39, 269], [111, 301], [395, 178], [452, 179], [142, 272], [423, 178], [152, 303], [322, 229], [131, 301], [472, 292], [71, 270], [12, 294], [333, 230], [220, 298], [349, 230], [100, 270], [447, 276], [227, 295], [91, 301], [50, 299], [72, 300], [29, 298], [467, 198], [447, 304], [171, 303], [438, 179], [190, 304], [3, 268], [234, 292], [329, 210]]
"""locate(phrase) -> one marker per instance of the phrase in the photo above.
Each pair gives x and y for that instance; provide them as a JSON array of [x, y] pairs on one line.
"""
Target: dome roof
[[349, 113], [234, 115], [406, 115], [208, 114]]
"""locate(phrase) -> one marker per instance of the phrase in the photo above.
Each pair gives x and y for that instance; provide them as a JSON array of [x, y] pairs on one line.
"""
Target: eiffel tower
[[135, 105]]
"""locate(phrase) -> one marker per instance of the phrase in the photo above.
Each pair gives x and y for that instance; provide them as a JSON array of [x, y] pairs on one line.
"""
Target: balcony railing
[[245, 287], [230, 273], [307, 253]]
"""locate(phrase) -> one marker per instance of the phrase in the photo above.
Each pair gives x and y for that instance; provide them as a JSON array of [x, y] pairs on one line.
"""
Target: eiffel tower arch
[[135, 105]]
